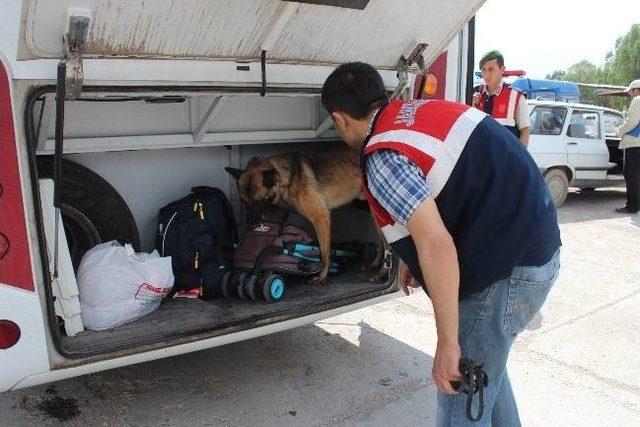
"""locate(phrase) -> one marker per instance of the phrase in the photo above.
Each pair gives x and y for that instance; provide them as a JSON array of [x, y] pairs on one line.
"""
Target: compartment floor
[[183, 316]]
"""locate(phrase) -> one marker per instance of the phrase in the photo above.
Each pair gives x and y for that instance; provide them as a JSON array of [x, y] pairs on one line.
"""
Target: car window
[[612, 122], [547, 120], [584, 124]]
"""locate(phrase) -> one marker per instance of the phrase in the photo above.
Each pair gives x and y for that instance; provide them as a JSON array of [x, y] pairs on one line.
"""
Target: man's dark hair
[[354, 88], [494, 54]]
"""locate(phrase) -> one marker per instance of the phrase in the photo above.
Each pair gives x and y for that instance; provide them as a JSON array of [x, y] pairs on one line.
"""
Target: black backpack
[[199, 233]]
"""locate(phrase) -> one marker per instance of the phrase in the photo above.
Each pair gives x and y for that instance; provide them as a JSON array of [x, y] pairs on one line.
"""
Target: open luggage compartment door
[[241, 30]]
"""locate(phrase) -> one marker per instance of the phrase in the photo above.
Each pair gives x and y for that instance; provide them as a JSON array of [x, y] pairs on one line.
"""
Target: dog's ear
[[269, 178], [234, 172]]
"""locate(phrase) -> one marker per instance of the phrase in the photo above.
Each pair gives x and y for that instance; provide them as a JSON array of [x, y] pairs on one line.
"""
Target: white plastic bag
[[118, 286]]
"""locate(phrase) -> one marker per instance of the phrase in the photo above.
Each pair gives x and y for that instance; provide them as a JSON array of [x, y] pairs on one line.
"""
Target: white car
[[575, 145]]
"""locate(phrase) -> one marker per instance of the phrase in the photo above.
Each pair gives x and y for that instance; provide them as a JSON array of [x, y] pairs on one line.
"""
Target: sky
[[540, 36]]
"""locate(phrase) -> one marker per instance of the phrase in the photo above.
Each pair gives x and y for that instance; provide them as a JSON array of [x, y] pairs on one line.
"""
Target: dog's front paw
[[318, 280]]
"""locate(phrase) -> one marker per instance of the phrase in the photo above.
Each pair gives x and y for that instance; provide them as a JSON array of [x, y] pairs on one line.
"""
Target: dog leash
[[474, 380]]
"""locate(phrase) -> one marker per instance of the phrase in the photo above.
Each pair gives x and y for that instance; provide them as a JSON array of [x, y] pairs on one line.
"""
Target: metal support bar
[[403, 68], [263, 68], [57, 158], [103, 144], [416, 56], [211, 112], [324, 126], [347, 4], [45, 123], [193, 108]]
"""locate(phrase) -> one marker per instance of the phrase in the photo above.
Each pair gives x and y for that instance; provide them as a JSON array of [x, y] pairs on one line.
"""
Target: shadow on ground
[[305, 376], [594, 205]]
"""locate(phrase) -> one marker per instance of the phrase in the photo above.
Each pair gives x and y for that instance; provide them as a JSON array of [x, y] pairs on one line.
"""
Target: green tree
[[621, 66], [556, 75], [582, 72], [625, 62]]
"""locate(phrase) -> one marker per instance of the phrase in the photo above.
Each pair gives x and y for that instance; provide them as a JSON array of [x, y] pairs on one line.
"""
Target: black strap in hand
[[474, 380]]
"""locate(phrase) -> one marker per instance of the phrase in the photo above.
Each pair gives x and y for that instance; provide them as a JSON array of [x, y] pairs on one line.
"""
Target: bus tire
[[92, 210]]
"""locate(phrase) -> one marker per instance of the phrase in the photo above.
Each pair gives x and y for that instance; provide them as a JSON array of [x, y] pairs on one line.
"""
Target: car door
[[546, 143], [586, 148]]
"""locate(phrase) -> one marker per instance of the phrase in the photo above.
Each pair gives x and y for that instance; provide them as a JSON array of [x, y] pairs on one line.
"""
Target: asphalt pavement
[[371, 367]]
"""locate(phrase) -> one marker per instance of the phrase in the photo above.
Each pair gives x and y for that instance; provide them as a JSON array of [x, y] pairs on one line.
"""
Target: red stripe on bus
[[15, 266]]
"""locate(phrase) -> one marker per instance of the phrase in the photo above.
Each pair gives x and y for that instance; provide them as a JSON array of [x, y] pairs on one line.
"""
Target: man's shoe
[[625, 210]]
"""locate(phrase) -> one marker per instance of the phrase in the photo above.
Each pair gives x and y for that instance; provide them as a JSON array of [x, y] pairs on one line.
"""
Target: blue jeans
[[490, 321]]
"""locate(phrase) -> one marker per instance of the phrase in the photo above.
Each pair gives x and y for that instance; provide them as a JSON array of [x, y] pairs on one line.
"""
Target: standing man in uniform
[[496, 98], [630, 133], [463, 204]]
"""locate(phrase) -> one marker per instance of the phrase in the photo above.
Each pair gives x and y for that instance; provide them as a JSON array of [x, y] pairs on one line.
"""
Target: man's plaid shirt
[[396, 182]]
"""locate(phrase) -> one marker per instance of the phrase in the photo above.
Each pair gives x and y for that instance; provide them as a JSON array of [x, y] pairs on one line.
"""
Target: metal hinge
[[388, 259], [403, 68], [75, 41]]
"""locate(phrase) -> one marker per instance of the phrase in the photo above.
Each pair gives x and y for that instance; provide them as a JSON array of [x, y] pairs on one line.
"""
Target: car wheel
[[558, 185]]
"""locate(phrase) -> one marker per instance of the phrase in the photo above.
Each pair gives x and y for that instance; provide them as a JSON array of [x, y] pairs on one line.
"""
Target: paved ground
[[371, 367]]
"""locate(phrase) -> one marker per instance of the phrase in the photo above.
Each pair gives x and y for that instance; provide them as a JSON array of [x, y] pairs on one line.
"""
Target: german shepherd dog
[[310, 182]]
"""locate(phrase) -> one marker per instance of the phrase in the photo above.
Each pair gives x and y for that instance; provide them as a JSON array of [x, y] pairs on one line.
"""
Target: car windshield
[[547, 120]]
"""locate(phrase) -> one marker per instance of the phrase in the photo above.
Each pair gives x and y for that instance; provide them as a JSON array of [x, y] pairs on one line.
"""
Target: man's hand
[[474, 99], [406, 279], [446, 366]]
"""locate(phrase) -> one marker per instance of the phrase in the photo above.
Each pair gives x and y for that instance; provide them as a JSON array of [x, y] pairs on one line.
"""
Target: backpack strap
[[216, 192]]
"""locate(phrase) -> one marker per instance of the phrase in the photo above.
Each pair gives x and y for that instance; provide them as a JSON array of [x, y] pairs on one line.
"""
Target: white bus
[[162, 96]]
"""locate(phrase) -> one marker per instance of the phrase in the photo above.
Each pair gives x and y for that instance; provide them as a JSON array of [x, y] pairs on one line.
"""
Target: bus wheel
[[92, 210]]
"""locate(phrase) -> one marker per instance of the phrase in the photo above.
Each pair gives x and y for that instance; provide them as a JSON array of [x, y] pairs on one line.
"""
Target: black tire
[[558, 184], [226, 286], [92, 210], [240, 288], [232, 284], [254, 288]]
